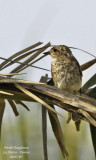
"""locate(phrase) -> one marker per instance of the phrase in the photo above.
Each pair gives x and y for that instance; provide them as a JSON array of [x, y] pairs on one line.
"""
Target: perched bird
[[65, 69]]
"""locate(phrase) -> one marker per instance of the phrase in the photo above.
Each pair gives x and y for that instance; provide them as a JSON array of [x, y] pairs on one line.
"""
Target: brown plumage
[[66, 71]]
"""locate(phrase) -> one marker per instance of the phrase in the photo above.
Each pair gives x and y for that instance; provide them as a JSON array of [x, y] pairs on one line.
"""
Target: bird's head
[[59, 51]]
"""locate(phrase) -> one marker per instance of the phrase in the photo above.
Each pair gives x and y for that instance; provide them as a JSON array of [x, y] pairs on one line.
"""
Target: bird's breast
[[66, 75]]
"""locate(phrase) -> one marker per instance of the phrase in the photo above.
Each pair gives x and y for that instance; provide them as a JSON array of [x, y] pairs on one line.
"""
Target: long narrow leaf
[[13, 106], [19, 53], [89, 83], [22, 104], [92, 93], [11, 74], [6, 93], [58, 132], [21, 57], [19, 68], [88, 64], [23, 64], [88, 117], [44, 122], [14, 80], [37, 99], [44, 131], [93, 135], [2, 108], [38, 59]]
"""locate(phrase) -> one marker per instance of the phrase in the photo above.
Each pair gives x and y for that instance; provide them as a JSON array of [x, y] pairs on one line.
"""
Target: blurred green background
[[26, 131]]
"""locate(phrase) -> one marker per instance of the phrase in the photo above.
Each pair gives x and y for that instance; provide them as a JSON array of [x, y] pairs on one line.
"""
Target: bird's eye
[[55, 50]]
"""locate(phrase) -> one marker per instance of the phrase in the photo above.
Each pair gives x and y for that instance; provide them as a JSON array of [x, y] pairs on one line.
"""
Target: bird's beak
[[46, 53]]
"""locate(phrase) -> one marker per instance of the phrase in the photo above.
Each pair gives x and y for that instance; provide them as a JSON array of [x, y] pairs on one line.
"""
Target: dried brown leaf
[[36, 98], [22, 104], [44, 122], [11, 74], [13, 106], [14, 80], [58, 132], [88, 64], [27, 62], [19, 53], [89, 118], [44, 131], [6, 93]]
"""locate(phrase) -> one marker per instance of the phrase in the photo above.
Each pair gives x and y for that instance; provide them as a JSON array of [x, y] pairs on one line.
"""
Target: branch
[[83, 105]]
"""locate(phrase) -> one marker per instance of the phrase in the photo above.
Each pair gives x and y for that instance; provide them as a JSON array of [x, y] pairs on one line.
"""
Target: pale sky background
[[68, 22], [25, 22]]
